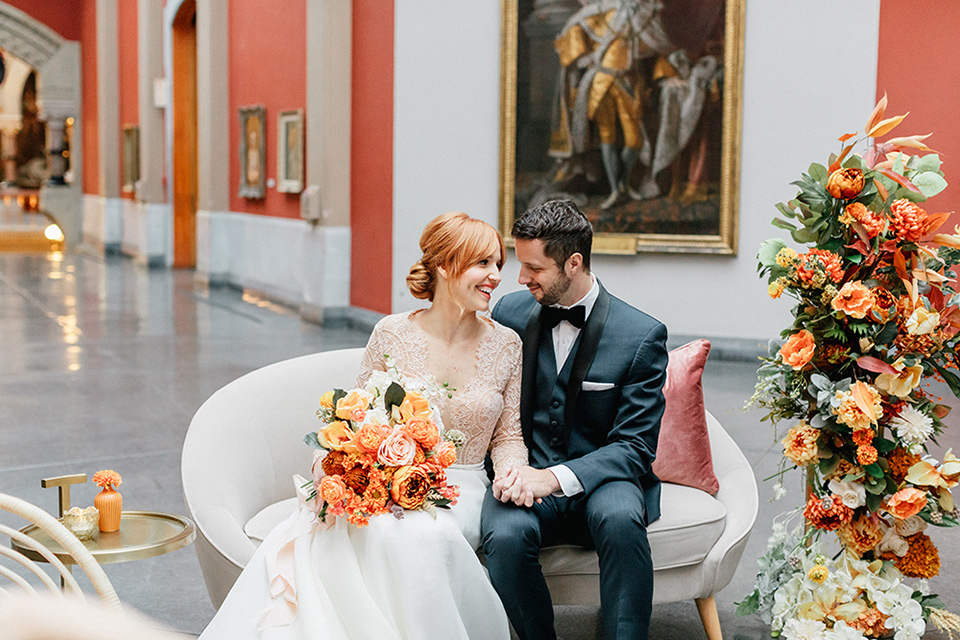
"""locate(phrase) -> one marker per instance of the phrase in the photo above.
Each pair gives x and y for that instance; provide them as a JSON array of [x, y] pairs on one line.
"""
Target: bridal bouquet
[[876, 318], [386, 449]]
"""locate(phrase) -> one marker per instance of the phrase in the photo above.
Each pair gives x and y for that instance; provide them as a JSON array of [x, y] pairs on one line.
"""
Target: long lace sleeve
[[507, 449], [372, 356]]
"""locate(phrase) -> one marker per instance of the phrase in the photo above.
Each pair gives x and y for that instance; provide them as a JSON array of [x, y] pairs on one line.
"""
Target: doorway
[[185, 136]]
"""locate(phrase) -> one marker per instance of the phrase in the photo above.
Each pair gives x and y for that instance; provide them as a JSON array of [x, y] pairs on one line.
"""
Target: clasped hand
[[525, 485]]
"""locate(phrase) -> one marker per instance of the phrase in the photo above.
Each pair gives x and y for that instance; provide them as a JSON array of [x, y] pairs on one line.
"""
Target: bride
[[416, 577]]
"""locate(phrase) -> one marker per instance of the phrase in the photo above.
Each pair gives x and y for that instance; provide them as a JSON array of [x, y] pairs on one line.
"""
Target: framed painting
[[290, 151], [630, 108], [253, 153]]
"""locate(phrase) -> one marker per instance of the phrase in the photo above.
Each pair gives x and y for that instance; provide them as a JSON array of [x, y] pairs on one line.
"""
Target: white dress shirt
[[564, 335]]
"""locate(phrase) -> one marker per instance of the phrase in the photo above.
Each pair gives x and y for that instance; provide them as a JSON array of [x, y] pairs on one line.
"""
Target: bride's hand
[[516, 487]]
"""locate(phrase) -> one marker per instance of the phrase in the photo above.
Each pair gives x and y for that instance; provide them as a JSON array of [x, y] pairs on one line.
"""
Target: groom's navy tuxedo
[[599, 415]]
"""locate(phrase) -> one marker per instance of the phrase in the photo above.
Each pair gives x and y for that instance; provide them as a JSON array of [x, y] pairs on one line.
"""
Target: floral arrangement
[[876, 317], [386, 449], [107, 478]]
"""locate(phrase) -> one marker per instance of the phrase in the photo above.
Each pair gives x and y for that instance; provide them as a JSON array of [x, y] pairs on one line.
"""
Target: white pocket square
[[597, 386]]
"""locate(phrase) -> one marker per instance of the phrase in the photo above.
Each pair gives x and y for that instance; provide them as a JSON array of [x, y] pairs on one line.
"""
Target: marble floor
[[103, 363]]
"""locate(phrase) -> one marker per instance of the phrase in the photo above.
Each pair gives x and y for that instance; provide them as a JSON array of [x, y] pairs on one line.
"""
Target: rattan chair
[[25, 574]]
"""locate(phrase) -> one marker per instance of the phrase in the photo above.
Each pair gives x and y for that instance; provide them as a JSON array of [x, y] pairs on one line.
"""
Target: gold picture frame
[[253, 152], [290, 151], [688, 205]]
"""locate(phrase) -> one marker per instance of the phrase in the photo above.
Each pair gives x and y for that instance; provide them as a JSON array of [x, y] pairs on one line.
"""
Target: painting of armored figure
[[631, 109]]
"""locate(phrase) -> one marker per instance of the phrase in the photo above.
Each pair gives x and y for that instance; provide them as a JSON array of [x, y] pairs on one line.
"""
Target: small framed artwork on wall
[[290, 151], [253, 153]]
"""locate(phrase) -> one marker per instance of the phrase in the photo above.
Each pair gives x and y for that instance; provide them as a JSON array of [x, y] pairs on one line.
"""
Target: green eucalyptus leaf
[[337, 394], [873, 502], [829, 465], [883, 445], [818, 172], [786, 210], [886, 334], [804, 236], [874, 470], [783, 224], [769, 250], [311, 439], [929, 162], [929, 183]]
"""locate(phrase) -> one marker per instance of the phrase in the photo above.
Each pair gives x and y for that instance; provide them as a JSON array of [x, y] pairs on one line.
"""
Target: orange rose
[[410, 487], [445, 454], [332, 489], [338, 435], [423, 431], [397, 450], [873, 223], [798, 350], [371, 436], [845, 183], [353, 406], [854, 299], [907, 502], [413, 406]]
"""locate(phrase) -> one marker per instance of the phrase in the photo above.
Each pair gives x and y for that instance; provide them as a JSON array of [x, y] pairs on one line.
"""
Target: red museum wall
[[917, 52], [62, 17], [267, 66], [129, 74], [90, 122], [371, 156]]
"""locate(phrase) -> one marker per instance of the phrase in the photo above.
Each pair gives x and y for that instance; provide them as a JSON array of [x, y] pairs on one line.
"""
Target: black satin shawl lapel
[[528, 384], [589, 340]]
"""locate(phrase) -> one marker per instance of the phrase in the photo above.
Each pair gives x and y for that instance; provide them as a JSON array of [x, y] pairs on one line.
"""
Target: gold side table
[[142, 534]]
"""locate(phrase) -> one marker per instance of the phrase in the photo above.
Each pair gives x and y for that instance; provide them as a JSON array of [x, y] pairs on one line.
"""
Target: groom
[[593, 373]]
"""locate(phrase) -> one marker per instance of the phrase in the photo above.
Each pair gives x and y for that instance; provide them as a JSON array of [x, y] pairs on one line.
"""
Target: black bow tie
[[551, 316]]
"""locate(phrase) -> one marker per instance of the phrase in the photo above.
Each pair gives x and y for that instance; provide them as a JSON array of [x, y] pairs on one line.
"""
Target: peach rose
[[901, 384], [445, 454], [371, 436], [410, 487], [797, 352], [854, 299], [413, 406], [845, 183], [397, 450], [332, 489], [354, 405], [423, 431], [339, 436], [907, 502]]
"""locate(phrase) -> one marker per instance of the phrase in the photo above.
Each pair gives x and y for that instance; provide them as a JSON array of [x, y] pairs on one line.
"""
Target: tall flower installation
[[384, 450], [876, 318]]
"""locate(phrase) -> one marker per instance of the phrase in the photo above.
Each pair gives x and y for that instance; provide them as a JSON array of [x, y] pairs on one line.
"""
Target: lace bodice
[[486, 409]]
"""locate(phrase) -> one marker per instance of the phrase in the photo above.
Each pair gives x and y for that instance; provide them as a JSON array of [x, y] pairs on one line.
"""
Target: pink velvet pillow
[[683, 451]]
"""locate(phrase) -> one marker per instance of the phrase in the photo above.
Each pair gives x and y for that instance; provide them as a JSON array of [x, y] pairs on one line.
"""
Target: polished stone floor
[[104, 362]]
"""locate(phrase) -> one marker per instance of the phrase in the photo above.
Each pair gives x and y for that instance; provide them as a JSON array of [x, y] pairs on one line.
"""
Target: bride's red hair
[[453, 241]]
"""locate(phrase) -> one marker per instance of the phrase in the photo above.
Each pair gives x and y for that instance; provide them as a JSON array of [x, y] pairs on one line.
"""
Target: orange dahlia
[[862, 533], [908, 221], [900, 461], [871, 222], [819, 260], [332, 464], [827, 513], [866, 454], [800, 445]]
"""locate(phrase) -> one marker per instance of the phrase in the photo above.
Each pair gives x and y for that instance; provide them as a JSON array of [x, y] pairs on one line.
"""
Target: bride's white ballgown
[[416, 578]]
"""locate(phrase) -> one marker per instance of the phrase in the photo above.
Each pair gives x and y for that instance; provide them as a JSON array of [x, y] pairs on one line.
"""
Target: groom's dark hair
[[561, 226]]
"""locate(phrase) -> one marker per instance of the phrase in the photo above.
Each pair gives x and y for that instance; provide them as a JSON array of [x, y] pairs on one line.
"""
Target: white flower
[[377, 415], [912, 425], [923, 586], [852, 494], [779, 491], [798, 629], [910, 526], [841, 631], [378, 383]]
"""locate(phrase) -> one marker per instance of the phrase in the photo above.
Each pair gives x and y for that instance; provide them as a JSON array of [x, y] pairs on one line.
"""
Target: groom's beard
[[556, 291]]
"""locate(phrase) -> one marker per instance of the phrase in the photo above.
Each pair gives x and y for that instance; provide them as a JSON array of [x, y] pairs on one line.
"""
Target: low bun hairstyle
[[453, 241]]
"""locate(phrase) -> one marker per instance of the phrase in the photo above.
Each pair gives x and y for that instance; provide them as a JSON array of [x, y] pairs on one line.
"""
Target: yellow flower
[[902, 383], [326, 400], [785, 257], [922, 321], [775, 290], [818, 573]]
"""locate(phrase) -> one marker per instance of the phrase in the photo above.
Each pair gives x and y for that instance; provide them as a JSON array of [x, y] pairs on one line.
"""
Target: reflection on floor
[[22, 227], [103, 363]]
